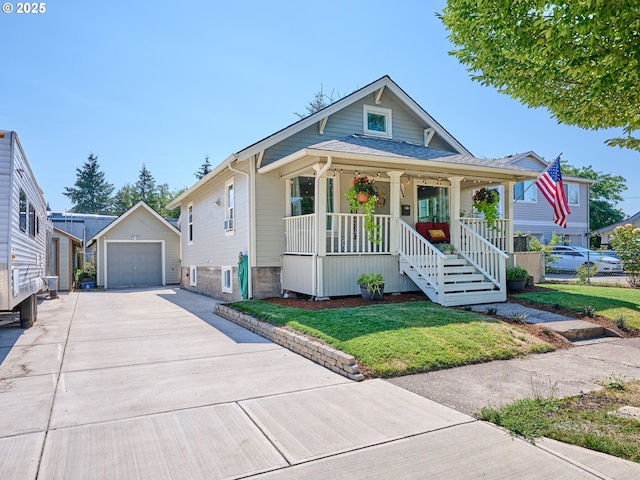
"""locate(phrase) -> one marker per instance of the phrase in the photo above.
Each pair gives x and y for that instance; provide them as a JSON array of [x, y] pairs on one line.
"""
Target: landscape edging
[[335, 360]]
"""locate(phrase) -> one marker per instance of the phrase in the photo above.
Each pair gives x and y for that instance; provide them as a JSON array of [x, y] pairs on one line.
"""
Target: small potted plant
[[363, 193], [486, 202], [371, 286], [516, 278], [446, 248]]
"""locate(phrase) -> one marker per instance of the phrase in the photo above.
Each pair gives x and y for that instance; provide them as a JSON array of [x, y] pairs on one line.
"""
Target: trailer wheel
[[28, 311]]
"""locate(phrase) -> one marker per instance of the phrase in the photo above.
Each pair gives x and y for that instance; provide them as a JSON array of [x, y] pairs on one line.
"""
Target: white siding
[[29, 250]]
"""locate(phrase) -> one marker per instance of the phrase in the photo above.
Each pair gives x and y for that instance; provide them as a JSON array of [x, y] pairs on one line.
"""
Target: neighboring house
[[281, 202], [605, 232], [139, 248], [65, 256], [533, 214]]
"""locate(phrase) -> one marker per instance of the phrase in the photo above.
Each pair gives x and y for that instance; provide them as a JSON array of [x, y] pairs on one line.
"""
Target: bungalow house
[[605, 232], [139, 248], [279, 205], [532, 213]]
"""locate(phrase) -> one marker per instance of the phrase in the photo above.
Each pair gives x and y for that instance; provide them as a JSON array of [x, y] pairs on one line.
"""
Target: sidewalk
[[143, 384]]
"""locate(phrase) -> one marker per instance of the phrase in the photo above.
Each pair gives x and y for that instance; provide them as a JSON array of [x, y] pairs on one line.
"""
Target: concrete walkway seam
[[335, 360]]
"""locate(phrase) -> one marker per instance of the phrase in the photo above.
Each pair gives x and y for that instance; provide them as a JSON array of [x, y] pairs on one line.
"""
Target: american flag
[[550, 184]]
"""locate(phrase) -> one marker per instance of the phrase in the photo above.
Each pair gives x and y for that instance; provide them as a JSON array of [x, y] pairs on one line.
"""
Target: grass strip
[[403, 338]]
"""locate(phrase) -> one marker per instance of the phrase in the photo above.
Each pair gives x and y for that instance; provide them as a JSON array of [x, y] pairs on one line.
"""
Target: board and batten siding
[[349, 121], [29, 250], [142, 224]]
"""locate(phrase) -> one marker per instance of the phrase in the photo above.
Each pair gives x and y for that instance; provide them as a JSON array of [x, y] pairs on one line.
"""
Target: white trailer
[[24, 231]]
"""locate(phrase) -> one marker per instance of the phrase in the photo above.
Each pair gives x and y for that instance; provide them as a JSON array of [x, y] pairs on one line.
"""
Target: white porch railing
[[483, 255], [497, 237], [345, 234], [300, 232], [425, 259]]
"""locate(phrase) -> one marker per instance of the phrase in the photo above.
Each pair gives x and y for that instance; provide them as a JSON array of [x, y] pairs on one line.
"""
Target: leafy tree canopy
[[604, 195], [580, 59], [91, 193]]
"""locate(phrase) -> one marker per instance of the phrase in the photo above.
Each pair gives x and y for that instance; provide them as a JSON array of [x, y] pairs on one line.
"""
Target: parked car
[[568, 259]]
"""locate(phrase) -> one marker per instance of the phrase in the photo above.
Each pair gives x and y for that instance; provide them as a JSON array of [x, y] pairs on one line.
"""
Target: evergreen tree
[[91, 193], [204, 168], [145, 188], [124, 199]]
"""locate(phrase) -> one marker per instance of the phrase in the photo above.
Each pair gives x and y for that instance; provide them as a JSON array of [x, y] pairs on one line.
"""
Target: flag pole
[[515, 200]]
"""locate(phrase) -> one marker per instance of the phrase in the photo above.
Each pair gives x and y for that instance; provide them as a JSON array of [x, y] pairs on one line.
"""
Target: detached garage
[[139, 249]]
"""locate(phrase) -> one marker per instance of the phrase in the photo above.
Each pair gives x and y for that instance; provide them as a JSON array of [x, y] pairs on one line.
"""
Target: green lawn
[[402, 338], [609, 302], [585, 420]]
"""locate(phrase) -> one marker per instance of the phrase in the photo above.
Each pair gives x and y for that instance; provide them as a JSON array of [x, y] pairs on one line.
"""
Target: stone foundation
[[335, 360]]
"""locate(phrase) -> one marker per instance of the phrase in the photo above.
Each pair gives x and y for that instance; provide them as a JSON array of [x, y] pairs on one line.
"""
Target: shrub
[[626, 241]]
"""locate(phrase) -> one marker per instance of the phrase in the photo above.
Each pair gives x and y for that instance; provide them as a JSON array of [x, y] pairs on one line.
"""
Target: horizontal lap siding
[[349, 121], [211, 247], [147, 228], [270, 209]]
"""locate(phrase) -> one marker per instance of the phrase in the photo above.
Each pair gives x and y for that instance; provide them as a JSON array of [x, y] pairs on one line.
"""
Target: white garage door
[[134, 264]]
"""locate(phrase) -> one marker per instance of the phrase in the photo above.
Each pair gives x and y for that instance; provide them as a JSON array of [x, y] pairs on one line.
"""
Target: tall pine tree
[[204, 168], [91, 193], [145, 188]]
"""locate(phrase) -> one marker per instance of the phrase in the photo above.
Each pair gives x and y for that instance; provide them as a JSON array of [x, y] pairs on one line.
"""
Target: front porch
[[325, 262]]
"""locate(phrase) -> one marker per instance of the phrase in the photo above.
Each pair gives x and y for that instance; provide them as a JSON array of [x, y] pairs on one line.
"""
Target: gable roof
[[384, 82], [631, 219], [513, 159], [61, 232], [379, 85], [373, 149], [121, 218]]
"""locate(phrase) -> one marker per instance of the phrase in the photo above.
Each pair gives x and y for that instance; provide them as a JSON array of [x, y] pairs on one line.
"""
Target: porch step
[[454, 260], [464, 298], [461, 270], [468, 287], [470, 277]]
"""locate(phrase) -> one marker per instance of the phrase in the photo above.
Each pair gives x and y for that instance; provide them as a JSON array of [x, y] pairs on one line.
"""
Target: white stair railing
[[483, 255], [422, 256], [497, 235]]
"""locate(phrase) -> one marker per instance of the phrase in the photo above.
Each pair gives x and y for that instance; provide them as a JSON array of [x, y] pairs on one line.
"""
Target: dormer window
[[377, 121]]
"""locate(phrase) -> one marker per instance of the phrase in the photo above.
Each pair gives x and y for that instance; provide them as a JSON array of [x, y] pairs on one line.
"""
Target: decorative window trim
[[190, 223], [226, 280], [193, 276], [386, 112], [229, 206], [569, 185], [527, 186]]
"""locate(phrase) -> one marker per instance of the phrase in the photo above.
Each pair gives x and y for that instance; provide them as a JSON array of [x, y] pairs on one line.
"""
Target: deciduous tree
[[580, 59]]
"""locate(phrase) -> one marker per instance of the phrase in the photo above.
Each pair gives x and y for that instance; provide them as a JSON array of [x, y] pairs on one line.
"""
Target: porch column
[[508, 214], [394, 209], [454, 209], [321, 217]]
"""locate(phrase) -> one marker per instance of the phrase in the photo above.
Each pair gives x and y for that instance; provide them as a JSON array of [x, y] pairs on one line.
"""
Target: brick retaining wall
[[324, 355]]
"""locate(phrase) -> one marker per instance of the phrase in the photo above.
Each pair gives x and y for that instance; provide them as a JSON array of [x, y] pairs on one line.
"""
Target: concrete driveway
[[150, 384]]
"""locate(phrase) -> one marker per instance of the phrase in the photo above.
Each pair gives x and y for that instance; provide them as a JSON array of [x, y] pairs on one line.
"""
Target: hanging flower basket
[[363, 193], [486, 201], [362, 197]]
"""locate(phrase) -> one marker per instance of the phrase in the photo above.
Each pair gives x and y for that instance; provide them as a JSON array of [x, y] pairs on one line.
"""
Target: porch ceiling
[[370, 155]]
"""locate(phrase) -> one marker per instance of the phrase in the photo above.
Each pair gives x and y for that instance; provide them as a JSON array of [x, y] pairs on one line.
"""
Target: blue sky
[[164, 83]]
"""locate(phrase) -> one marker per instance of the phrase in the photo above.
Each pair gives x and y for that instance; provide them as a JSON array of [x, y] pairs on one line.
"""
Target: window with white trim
[[377, 121], [572, 193], [193, 276], [227, 283], [525, 191], [229, 212], [190, 223]]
